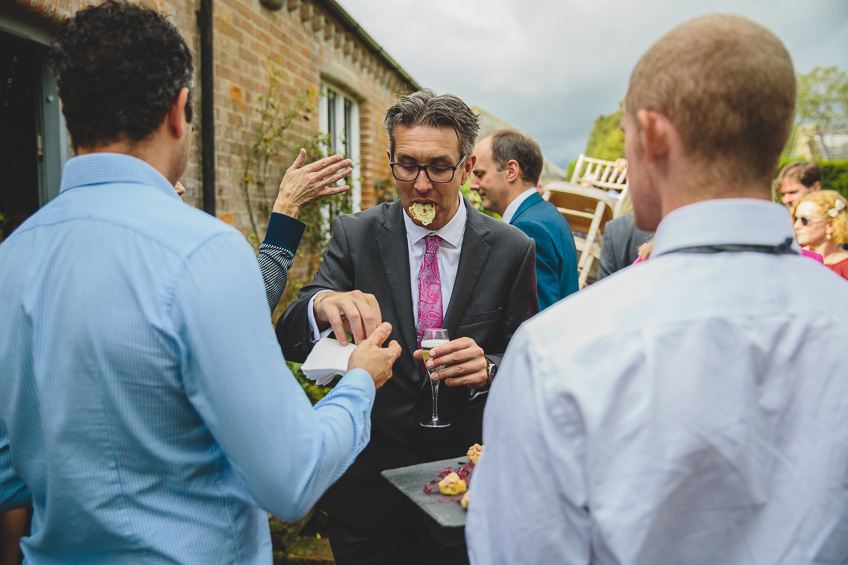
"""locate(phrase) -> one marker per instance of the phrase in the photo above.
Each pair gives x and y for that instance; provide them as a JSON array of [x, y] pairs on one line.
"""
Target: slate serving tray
[[445, 511]]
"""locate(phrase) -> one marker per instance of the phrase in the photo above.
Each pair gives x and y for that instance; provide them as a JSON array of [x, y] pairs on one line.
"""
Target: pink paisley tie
[[429, 289]]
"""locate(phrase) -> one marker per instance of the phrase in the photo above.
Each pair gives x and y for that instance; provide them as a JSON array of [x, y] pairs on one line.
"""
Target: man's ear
[[513, 171], [816, 186], [654, 132], [177, 121], [468, 168]]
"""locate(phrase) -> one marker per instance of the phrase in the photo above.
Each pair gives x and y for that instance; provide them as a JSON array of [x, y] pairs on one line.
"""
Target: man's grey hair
[[426, 108]]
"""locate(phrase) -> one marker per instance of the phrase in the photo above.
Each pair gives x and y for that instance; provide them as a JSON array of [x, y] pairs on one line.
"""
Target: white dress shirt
[[447, 257], [514, 205], [697, 413]]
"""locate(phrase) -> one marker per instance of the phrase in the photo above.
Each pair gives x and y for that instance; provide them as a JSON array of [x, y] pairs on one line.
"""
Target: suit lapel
[[530, 201], [395, 257], [472, 258]]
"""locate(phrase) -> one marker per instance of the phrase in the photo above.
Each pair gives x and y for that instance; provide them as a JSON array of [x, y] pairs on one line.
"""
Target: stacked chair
[[588, 202]]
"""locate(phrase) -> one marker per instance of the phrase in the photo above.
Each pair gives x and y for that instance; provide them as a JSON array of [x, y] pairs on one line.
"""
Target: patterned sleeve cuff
[[284, 231]]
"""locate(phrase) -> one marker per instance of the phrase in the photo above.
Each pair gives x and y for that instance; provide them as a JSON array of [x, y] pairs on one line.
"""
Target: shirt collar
[[513, 206], [451, 232], [113, 168], [725, 221]]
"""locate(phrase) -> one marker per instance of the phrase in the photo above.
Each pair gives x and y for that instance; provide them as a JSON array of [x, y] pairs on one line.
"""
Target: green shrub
[[312, 390], [835, 176]]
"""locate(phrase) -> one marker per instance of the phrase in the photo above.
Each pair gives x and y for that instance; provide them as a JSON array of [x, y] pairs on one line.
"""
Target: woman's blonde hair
[[646, 248]]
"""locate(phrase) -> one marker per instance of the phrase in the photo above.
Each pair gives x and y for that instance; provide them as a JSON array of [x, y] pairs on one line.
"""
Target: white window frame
[[332, 114]]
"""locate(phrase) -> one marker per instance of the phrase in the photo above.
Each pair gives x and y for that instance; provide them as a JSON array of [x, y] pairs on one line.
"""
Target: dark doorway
[[20, 73]]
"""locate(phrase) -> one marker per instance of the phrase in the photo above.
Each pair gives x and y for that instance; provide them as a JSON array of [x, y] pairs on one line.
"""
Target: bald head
[[727, 85]]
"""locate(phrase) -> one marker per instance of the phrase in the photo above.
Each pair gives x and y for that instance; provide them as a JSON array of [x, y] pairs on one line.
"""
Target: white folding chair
[[587, 210], [609, 175]]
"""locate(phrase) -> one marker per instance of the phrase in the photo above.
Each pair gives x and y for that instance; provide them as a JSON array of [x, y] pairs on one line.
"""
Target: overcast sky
[[551, 67]]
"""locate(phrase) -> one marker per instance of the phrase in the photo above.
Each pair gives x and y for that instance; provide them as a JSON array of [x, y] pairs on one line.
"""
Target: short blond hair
[[728, 86], [835, 210]]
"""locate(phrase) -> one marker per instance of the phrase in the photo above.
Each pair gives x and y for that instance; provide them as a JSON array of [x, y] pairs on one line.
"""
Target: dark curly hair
[[120, 66]]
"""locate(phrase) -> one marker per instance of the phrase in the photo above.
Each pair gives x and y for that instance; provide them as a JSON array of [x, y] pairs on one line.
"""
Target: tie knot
[[433, 242]]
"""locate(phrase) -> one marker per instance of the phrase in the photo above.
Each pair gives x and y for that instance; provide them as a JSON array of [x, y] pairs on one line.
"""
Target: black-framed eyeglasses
[[408, 172], [805, 220]]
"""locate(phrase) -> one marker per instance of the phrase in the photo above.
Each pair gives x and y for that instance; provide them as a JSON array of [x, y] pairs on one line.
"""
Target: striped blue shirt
[[145, 400], [276, 254]]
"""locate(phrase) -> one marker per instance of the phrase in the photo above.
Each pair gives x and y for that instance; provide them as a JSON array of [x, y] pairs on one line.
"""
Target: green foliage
[[313, 391], [822, 103], [835, 176], [823, 98], [606, 140]]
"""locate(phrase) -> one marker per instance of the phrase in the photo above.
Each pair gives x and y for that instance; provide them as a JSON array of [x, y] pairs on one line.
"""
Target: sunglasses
[[805, 220]]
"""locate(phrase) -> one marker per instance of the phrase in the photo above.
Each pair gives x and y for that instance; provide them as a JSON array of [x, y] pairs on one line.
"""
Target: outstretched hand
[[354, 312], [371, 356], [304, 184]]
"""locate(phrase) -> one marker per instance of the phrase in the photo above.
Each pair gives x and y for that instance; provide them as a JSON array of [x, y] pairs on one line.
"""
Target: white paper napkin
[[328, 359]]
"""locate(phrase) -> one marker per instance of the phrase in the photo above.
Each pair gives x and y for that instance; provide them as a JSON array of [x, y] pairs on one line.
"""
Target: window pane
[[348, 130], [331, 120]]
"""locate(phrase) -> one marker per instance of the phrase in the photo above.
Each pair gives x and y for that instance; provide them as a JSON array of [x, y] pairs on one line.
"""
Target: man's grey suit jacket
[[620, 245], [494, 292]]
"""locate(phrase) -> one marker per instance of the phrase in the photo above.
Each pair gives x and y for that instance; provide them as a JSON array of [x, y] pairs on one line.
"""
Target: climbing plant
[[272, 137]]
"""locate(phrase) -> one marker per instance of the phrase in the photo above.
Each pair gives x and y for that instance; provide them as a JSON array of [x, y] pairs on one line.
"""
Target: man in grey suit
[[621, 243], [372, 272]]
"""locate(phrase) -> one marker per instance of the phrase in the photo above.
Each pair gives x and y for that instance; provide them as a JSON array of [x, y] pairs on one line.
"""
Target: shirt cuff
[[474, 393], [361, 379], [313, 325], [284, 231]]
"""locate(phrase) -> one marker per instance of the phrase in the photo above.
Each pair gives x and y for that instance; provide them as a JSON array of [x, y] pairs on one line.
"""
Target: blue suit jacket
[[556, 256]]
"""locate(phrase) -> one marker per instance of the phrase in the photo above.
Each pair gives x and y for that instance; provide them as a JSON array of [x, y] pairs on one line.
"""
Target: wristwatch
[[491, 370]]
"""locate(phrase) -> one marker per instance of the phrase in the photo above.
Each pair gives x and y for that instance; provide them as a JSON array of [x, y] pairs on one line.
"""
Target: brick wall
[[313, 45]]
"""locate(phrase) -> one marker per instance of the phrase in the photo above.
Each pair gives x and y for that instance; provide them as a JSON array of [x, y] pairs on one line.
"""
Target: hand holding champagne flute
[[434, 337]]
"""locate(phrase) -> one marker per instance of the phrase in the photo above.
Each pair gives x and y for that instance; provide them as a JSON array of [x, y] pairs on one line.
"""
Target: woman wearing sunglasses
[[821, 224]]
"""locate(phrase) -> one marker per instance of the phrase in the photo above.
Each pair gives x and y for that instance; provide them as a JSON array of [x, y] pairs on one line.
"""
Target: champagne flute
[[433, 337]]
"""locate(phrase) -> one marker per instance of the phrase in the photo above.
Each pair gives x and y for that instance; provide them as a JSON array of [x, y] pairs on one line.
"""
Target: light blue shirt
[[145, 398]]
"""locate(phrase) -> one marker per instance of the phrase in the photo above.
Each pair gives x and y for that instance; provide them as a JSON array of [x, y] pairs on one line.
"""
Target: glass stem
[[434, 385]]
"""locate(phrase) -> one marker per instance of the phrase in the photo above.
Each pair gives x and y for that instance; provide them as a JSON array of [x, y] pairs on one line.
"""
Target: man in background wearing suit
[[508, 167], [621, 243], [485, 273]]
